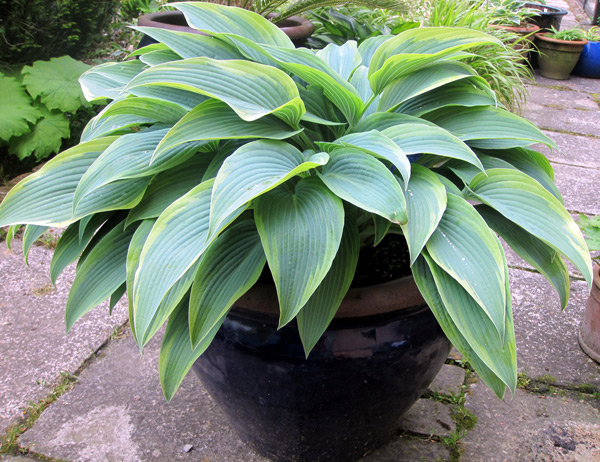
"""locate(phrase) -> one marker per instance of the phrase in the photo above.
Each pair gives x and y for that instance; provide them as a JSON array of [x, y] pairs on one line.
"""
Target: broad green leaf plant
[[223, 153]]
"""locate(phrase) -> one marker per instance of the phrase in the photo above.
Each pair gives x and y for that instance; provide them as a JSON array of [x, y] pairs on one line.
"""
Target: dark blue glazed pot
[[589, 61], [346, 398]]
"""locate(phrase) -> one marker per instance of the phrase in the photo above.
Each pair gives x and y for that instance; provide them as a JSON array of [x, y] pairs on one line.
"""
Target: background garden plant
[[220, 154]]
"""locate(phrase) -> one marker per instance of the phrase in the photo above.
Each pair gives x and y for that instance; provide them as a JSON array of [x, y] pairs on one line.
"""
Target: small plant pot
[[548, 16], [557, 58], [589, 61], [296, 28], [525, 43], [589, 332]]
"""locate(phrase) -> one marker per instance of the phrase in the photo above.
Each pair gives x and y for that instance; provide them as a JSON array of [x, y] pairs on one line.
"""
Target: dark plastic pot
[[376, 359], [548, 16], [557, 58], [589, 333], [296, 28], [589, 61]]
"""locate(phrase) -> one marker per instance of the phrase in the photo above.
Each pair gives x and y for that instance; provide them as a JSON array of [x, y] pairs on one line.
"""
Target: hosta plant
[[224, 153]]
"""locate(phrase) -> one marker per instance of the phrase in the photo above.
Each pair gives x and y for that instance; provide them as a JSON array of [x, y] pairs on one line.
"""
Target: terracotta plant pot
[[378, 356], [589, 332], [557, 58], [296, 28], [589, 61], [526, 31]]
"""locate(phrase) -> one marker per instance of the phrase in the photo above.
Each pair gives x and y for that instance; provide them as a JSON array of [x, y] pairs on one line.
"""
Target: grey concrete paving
[[510, 430], [34, 349], [546, 337], [104, 419], [116, 411]]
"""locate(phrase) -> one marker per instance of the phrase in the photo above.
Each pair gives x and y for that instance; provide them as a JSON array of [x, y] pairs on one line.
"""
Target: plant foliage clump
[[43, 29], [224, 154], [36, 106]]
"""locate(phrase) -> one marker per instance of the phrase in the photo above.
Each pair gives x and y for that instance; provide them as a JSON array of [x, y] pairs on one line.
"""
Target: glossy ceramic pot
[[589, 61], [589, 332], [547, 17], [375, 360], [296, 28]]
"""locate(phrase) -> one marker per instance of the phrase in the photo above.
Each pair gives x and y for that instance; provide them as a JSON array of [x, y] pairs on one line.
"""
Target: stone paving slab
[[561, 98], [574, 83], [576, 150], [574, 121], [517, 429], [547, 342], [33, 345], [117, 413], [449, 380], [580, 187], [427, 417]]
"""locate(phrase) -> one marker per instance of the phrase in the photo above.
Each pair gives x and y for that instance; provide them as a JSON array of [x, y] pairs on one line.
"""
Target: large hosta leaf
[[321, 307], [488, 127], [419, 138], [342, 58], [188, 45], [30, 235], [425, 203], [380, 146], [364, 181], [72, 242], [214, 120], [227, 270], [540, 255], [108, 80], [254, 169], [150, 108], [101, 274], [497, 352], [422, 81], [415, 49], [252, 90], [300, 231], [177, 240], [46, 197], [209, 17], [120, 124], [168, 186], [428, 289], [524, 201], [176, 353], [465, 248]]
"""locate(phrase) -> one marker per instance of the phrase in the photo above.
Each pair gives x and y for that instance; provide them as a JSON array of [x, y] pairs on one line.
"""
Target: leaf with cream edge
[[465, 248], [425, 205], [533, 208], [300, 230], [229, 267], [319, 310], [254, 169], [252, 90], [46, 197], [214, 120], [364, 181], [177, 240]]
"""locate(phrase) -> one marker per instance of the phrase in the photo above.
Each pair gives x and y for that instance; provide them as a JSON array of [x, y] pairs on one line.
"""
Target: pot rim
[[525, 28], [544, 37], [300, 27], [359, 302]]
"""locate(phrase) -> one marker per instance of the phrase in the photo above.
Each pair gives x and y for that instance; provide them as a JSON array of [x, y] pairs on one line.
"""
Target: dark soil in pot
[[346, 398]]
